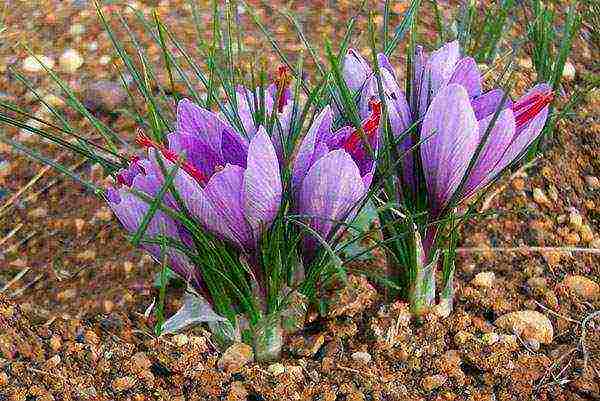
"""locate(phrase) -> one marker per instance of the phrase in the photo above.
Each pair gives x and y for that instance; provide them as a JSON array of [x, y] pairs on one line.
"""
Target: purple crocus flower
[[232, 187], [447, 99], [332, 171], [143, 176]]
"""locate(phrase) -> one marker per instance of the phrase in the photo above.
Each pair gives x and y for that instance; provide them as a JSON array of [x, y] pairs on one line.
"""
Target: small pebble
[[104, 214], [3, 379], [79, 224], [108, 306], [490, 338], [462, 337], [55, 343], [592, 182], [575, 219], [38, 213], [484, 279], [123, 383], [77, 29], [237, 392], [537, 282], [276, 369], [587, 235], [362, 357], [180, 340], [140, 362], [53, 362], [510, 340], [518, 184], [87, 255], [528, 324], [568, 72], [127, 267], [533, 344], [31, 64], [430, 383], [66, 294], [235, 357], [540, 197], [70, 61], [296, 373], [91, 337], [582, 286]]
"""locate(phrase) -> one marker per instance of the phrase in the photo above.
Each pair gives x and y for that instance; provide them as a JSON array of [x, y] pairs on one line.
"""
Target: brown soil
[[73, 292]]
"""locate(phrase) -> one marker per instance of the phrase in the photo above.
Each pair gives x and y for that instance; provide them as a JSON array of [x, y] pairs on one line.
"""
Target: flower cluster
[[232, 184], [451, 134]]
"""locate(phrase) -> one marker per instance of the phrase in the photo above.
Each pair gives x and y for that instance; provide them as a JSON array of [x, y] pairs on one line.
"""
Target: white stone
[[70, 61], [33, 64], [568, 72]]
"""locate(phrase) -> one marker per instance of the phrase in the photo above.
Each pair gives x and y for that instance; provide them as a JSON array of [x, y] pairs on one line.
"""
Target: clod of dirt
[[484, 279], [235, 357], [529, 324], [582, 286]]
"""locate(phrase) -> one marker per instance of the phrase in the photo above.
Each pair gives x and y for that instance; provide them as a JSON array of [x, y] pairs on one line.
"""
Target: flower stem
[[422, 291], [268, 339]]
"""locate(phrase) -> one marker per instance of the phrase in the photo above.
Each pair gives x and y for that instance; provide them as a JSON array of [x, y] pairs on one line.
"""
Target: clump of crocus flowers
[[453, 139], [228, 201]]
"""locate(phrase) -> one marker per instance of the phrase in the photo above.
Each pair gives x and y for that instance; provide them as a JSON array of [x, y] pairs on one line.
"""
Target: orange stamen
[[282, 82], [529, 108], [369, 127], [144, 141]]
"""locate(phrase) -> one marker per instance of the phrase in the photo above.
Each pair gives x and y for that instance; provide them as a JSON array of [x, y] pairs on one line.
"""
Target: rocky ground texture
[[73, 294]]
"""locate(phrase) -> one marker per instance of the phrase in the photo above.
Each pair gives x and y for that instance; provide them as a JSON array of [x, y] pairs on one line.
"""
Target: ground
[[73, 292]]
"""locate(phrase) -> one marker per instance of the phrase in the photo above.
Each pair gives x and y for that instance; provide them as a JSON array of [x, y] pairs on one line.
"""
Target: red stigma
[[369, 127], [282, 82], [144, 141], [528, 108]]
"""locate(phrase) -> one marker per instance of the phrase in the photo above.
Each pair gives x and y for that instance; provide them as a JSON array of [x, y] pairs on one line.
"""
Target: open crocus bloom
[[130, 210], [231, 186], [332, 171], [454, 115]]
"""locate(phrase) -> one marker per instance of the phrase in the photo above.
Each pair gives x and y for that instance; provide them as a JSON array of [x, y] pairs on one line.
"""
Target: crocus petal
[[450, 133], [536, 121], [320, 129], [497, 142], [384, 63], [196, 151], [466, 73], [369, 90], [234, 148], [522, 140], [282, 129], [331, 189], [356, 70], [437, 73], [213, 131], [487, 103], [196, 120], [262, 184], [225, 193], [400, 120], [245, 99]]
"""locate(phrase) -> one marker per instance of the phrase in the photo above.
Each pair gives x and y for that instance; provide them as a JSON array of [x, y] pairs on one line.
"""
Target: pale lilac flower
[[332, 171], [452, 116]]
